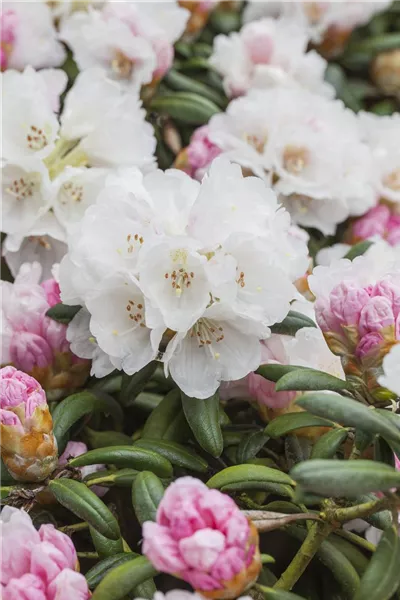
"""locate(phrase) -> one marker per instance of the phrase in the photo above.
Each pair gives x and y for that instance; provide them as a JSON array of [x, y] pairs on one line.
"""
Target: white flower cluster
[[268, 53], [46, 183], [192, 274], [307, 147], [133, 41], [319, 17]]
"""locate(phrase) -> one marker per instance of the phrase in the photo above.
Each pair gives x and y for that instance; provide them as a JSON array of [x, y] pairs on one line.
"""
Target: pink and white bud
[[165, 57], [378, 223], [201, 536], [29, 350], [52, 291], [38, 565], [28, 446], [74, 449], [376, 315], [8, 22], [258, 42], [201, 152]]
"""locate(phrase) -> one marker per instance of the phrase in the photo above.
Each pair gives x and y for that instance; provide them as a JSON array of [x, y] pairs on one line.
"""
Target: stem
[[361, 510], [100, 480], [309, 547], [69, 529], [356, 540]]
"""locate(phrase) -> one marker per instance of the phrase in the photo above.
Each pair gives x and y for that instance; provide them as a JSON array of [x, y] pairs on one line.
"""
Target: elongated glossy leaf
[[288, 422], [248, 473], [275, 594], [358, 249], [185, 107], [310, 379], [167, 421], [292, 323], [103, 439], [126, 456], [344, 478], [203, 419], [329, 443], [74, 407], [75, 496], [250, 445], [277, 489], [104, 546], [351, 552], [63, 313], [176, 453], [99, 571], [147, 491], [382, 577], [179, 81], [382, 519], [124, 579], [132, 385], [349, 412], [274, 372]]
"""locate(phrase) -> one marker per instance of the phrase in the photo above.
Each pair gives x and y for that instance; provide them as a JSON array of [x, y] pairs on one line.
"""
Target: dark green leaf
[[98, 572], [310, 379], [123, 579], [277, 489], [132, 385], [275, 594], [203, 419], [179, 81], [185, 107], [288, 422], [351, 552], [250, 445], [176, 453], [292, 323], [63, 313], [104, 546], [358, 249], [167, 421], [248, 473], [147, 491], [120, 478], [85, 504], [126, 456], [328, 444], [102, 439], [274, 372]]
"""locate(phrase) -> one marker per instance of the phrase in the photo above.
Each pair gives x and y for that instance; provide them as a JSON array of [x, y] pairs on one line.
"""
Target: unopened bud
[[385, 72]]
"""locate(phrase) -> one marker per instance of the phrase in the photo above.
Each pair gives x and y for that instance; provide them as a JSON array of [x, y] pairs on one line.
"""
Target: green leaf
[[344, 478], [99, 571], [350, 413], [147, 491], [382, 577], [123, 579], [292, 323], [179, 81], [102, 439], [288, 422], [376, 44], [167, 421], [104, 546], [203, 419], [275, 594], [126, 456], [335, 75], [383, 452], [277, 489], [310, 379], [63, 313], [132, 385], [329, 443], [274, 372], [358, 249], [75, 496], [185, 107], [74, 407], [250, 445], [225, 21], [248, 473], [176, 453], [120, 478], [382, 519], [351, 552]]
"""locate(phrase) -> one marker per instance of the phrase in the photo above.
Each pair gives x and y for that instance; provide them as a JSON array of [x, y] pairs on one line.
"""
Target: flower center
[[240, 280], [22, 188], [295, 158], [41, 240], [36, 138], [69, 191], [122, 65], [135, 311], [207, 333], [180, 279], [133, 241], [256, 142], [392, 180]]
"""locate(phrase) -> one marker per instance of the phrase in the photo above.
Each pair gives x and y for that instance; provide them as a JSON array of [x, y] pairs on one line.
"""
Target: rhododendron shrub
[[200, 300]]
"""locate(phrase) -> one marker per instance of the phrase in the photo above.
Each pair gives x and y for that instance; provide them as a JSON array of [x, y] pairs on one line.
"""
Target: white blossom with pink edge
[[29, 37], [269, 53], [133, 41], [43, 562]]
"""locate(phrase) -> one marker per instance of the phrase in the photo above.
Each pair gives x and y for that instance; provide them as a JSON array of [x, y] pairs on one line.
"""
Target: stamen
[[295, 158], [36, 138], [122, 65], [21, 188], [207, 333]]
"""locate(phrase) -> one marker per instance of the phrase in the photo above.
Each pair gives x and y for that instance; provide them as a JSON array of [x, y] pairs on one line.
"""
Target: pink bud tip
[[17, 387], [52, 290], [29, 350]]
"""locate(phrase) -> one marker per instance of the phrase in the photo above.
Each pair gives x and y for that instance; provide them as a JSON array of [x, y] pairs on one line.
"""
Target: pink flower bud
[[38, 565], [29, 350], [347, 301], [373, 223], [201, 151], [368, 343], [258, 42], [327, 321], [376, 315], [390, 290], [393, 230], [28, 447], [52, 290], [201, 536], [263, 391], [55, 334]]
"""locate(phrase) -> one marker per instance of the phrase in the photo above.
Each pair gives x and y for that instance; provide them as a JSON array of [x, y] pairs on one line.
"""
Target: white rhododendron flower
[[307, 146], [382, 134], [29, 36], [133, 41], [268, 53], [319, 17], [46, 182], [391, 369], [216, 278]]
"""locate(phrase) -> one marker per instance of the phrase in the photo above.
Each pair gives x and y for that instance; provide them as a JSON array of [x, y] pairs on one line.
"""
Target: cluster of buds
[[381, 222], [28, 446], [361, 324], [38, 564], [32, 341], [202, 537]]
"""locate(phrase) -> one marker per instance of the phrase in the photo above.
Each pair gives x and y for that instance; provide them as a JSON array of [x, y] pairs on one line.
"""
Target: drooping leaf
[[104, 546], [351, 552], [203, 419], [284, 424], [329, 443], [167, 421], [147, 491], [292, 323], [176, 453], [250, 445], [75, 496], [132, 385]]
